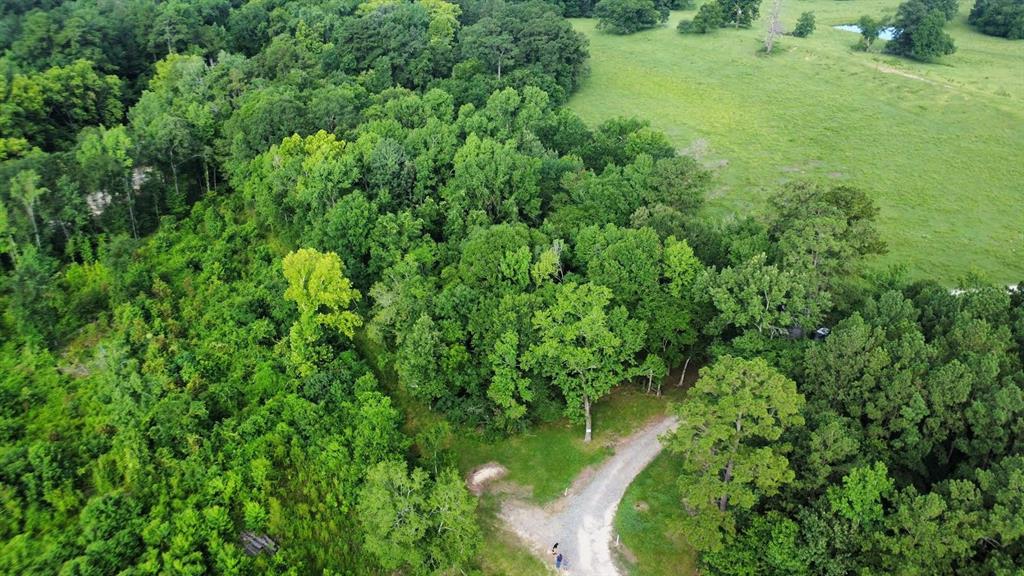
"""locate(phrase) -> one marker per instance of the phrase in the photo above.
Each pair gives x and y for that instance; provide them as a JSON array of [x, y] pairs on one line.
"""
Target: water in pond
[[885, 33]]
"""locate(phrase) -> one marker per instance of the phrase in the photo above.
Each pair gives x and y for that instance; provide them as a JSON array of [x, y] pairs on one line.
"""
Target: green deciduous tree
[[488, 42], [919, 31], [542, 48], [493, 179], [416, 524], [823, 234], [103, 154], [740, 13], [860, 498], [929, 40], [48, 108], [999, 18], [759, 296], [31, 305], [584, 348], [510, 389], [869, 31], [418, 360], [628, 16], [770, 545], [710, 17]]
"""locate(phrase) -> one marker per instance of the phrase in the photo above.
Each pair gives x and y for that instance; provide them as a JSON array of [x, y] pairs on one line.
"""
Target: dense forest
[[224, 224]]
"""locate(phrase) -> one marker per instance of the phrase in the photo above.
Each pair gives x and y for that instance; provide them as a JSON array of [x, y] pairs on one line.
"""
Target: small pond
[[885, 33]]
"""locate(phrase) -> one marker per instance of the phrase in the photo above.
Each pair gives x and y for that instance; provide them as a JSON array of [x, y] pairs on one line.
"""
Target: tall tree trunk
[[727, 477], [64, 230], [683, 375], [586, 414], [131, 203], [31, 210], [174, 174], [724, 500]]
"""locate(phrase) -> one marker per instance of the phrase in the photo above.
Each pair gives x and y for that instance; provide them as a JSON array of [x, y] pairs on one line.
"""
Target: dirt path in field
[[581, 522]]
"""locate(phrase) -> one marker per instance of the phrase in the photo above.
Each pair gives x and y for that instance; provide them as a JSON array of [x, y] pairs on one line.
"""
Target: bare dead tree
[[774, 27]]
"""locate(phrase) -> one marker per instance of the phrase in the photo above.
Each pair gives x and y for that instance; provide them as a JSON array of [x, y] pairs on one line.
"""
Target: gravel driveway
[[581, 522]]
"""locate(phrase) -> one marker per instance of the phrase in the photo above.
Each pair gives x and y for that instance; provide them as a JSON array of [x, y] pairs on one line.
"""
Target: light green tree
[[25, 189], [859, 499], [318, 286], [390, 509], [823, 233], [7, 244], [417, 525]]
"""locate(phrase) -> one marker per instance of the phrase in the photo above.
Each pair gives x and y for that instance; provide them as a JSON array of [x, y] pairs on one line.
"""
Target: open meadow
[[939, 146]]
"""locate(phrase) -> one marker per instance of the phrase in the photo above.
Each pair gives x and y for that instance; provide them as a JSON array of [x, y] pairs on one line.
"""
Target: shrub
[[804, 25]]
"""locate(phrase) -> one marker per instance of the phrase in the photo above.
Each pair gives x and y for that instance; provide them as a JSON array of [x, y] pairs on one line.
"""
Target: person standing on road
[[558, 561]]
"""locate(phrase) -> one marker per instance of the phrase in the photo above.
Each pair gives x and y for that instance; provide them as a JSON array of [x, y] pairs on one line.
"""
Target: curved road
[[581, 522]]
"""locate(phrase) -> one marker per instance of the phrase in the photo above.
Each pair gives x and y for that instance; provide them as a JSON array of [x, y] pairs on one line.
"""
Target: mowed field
[[939, 146]]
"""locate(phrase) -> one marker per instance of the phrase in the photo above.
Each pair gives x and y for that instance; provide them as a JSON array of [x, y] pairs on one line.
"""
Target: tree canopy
[[999, 18], [261, 261]]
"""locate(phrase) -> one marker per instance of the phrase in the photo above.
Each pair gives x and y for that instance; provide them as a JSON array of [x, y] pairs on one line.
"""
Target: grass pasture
[[939, 146]]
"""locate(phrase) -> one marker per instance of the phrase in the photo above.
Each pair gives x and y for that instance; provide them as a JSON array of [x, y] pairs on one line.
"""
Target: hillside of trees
[[222, 222]]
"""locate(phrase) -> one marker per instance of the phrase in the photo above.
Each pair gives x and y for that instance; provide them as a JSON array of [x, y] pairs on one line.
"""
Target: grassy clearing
[[548, 457], [940, 146], [648, 523]]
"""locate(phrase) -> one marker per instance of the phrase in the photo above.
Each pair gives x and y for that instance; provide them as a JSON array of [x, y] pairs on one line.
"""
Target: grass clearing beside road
[[648, 523], [549, 456]]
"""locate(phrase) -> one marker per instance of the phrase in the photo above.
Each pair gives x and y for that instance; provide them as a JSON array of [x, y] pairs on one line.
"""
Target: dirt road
[[581, 522]]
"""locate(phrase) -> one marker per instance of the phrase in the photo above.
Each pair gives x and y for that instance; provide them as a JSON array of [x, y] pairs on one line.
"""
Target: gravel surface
[[581, 522]]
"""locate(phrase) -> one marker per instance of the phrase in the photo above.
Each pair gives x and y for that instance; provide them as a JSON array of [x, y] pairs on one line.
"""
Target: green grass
[[939, 146], [648, 523], [548, 457]]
